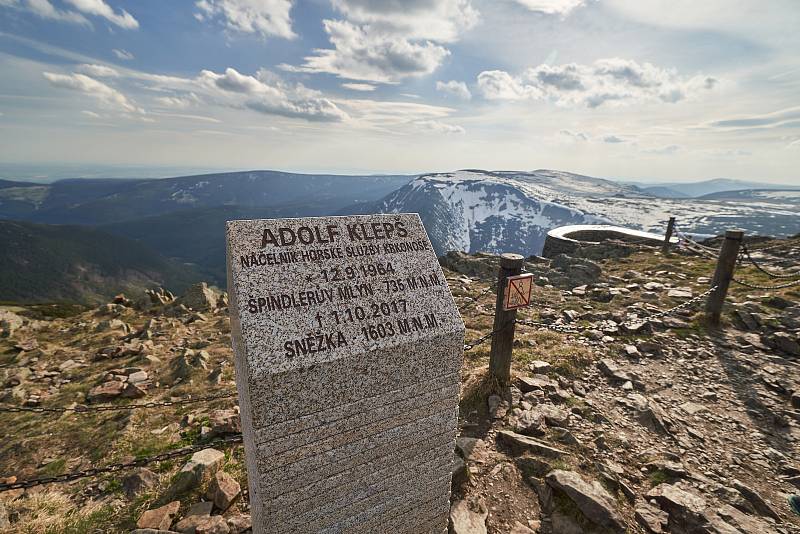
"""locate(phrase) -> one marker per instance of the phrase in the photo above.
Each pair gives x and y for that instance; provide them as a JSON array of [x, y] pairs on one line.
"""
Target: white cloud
[[613, 139], [613, 80], [439, 127], [789, 117], [438, 20], [123, 54], [98, 71], [100, 9], [663, 150], [364, 87], [178, 102], [454, 88], [105, 94], [363, 54], [387, 41], [574, 136], [500, 85], [551, 7], [268, 94], [266, 17], [46, 10]]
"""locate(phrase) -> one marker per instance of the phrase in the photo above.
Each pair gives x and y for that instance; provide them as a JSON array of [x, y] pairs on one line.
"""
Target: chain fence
[[113, 468], [82, 409], [766, 288], [746, 253]]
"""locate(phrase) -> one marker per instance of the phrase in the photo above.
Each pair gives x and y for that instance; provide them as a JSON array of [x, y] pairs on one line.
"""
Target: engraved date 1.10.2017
[[375, 310]]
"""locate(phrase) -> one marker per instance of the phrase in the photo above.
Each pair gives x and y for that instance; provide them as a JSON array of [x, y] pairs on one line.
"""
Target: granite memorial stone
[[348, 348]]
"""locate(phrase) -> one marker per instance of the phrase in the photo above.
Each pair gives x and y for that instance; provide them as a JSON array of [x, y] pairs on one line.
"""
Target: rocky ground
[[619, 426]]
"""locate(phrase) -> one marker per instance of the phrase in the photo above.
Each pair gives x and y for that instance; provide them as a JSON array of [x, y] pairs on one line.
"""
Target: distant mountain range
[[174, 227], [476, 210], [705, 187]]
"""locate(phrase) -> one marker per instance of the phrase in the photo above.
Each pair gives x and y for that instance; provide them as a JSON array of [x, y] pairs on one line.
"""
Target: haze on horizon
[[651, 90]]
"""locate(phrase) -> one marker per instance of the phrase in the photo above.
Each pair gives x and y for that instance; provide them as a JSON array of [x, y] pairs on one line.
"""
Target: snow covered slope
[[512, 211]]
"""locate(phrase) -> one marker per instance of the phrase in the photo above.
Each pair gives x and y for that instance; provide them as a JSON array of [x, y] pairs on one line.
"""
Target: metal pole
[[723, 275], [668, 235], [503, 338]]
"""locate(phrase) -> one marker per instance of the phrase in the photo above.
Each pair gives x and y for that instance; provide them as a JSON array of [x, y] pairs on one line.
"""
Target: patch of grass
[[56, 467], [659, 476]]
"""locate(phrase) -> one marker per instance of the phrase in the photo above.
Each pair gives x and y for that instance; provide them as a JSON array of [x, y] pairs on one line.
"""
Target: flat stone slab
[[348, 348]]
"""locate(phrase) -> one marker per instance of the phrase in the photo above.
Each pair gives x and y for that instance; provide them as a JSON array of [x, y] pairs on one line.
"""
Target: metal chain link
[[772, 247], [112, 468], [681, 306], [694, 246], [771, 274], [767, 288], [566, 329], [124, 407], [483, 339]]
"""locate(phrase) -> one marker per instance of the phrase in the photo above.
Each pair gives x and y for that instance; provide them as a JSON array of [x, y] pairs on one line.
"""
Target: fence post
[[723, 275], [503, 339], [668, 235]]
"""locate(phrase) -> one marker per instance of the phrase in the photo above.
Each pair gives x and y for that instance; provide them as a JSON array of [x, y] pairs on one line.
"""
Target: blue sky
[[645, 89]]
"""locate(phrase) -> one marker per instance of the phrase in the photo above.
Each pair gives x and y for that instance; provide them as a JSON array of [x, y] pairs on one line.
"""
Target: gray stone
[[223, 490], [520, 444], [199, 469], [348, 349], [159, 518], [107, 391], [594, 502], [199, 297], [686, 510], [756, 500], [651, 518], [465, 446], [239, 523], [140, 480], [468, 517]]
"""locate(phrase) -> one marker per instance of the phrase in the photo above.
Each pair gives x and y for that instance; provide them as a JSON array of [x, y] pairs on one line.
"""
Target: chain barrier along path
[[120, 408], [771, 274], [112, 468], [766, 288]]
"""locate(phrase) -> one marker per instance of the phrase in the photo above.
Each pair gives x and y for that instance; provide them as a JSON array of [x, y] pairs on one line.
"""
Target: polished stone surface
[[348, 348]]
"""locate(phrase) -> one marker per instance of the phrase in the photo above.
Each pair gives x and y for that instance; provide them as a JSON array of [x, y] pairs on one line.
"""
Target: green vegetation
[[45, 263]]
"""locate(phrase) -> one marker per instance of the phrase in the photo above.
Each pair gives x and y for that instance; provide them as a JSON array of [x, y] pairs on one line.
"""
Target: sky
[[650, 90]]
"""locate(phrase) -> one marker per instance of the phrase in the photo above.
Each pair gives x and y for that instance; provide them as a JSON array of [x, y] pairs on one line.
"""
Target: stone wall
[[559, 241]]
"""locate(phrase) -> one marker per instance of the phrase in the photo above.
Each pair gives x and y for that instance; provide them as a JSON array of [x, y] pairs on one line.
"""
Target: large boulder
[[468, 517], [594, 502], [9, 323], [199, 469], [159, 518], [200, 297]]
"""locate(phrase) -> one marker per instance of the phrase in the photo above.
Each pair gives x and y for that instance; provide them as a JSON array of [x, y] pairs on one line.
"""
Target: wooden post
[[503, 339], [723, 275], [668, 235]]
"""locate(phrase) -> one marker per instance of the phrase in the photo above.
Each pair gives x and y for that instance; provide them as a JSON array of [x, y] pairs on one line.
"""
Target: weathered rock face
[[9, 323], [159, 518], [200, 297], [140, 480], [591, 498], [577, 270], [468, 517], [202, 466], [223, 490]]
